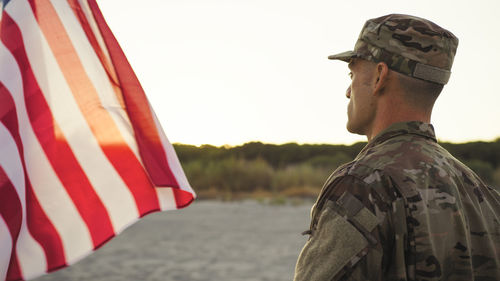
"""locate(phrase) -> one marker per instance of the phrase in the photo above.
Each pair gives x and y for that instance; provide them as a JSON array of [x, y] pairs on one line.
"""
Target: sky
[[227, 72]]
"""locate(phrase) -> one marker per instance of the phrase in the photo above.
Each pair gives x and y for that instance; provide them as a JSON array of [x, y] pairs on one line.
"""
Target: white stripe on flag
[[109, 186], [166, 198], [96, 72], [46, 185], [30, 254]]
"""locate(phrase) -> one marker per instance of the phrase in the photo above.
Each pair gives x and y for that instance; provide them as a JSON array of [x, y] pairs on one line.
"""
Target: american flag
[[82, 155]]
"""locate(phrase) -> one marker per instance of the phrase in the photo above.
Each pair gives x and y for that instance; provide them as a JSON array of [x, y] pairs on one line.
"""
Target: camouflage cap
[[409, 45]]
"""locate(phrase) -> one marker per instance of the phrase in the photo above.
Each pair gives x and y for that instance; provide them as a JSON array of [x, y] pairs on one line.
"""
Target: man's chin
[[350, 128], [354, 130]]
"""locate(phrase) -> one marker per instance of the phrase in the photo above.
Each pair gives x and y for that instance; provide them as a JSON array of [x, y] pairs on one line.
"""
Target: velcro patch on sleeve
[[356, 211], [334, 243]]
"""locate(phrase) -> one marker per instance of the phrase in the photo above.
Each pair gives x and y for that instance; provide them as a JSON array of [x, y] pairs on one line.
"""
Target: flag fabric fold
[[82, 154]]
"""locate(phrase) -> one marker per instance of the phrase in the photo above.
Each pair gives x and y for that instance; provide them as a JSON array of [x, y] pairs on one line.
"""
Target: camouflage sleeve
[[348, 235]]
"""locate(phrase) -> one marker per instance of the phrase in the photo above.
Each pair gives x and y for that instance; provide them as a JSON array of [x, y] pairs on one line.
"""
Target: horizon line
[[495, 139]]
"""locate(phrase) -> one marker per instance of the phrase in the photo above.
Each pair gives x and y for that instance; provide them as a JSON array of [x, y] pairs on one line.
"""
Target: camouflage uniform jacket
[[404, 209]]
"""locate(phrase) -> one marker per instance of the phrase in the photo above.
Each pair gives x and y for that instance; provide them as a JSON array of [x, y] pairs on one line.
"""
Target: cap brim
[[345, 56]]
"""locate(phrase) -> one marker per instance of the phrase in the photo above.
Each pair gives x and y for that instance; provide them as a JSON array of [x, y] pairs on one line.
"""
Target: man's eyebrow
[[350, 64]]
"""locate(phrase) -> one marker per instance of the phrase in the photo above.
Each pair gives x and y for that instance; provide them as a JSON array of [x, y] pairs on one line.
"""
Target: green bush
[[229, 175], [298, 176], [330, 162], [295, 170]]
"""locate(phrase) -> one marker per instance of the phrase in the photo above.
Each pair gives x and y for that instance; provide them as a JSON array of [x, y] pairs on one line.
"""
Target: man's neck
[[383, 123], [392, 108]]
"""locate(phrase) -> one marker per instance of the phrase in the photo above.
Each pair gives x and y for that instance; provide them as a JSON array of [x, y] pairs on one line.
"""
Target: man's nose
[[348, 92]]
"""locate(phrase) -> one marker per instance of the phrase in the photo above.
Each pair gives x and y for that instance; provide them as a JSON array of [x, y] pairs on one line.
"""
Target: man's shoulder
[[410, 163]]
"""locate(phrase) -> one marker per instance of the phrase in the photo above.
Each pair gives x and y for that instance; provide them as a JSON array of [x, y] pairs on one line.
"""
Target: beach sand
[[209, 240]]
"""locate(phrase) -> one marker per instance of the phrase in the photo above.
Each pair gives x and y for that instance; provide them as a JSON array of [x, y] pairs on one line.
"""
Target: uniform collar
[[403, 128]]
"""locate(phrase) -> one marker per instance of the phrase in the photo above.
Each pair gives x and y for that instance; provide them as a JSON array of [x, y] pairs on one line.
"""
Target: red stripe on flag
[[98, 118], [11, 212], [134, 176], [14, 272], [54, 144], [182, 198], [148, 140]]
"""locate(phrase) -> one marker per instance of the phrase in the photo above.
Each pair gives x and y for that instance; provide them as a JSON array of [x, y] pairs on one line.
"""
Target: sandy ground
[[209, 240]]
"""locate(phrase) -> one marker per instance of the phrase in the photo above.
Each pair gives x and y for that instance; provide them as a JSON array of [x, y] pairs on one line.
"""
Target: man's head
[[398, 60]]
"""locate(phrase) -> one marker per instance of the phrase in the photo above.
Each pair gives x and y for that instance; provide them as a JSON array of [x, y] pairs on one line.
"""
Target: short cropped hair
[[419, 93]]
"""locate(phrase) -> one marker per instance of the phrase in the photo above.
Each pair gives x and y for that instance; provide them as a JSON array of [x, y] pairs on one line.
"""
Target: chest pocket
[[340, 238]]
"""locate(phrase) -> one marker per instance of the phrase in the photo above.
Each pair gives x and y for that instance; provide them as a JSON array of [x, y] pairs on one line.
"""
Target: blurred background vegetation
[[268, 171]]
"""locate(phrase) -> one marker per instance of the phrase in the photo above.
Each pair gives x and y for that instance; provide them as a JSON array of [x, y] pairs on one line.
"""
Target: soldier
[[404, 209]]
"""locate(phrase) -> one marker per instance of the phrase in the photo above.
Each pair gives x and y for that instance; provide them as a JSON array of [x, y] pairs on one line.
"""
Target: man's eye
[[350, 75]]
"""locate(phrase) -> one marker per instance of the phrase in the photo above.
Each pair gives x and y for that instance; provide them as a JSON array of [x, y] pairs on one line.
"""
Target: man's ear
[[381, 77]]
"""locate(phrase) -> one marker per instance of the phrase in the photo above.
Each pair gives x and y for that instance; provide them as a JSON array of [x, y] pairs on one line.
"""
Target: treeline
[[265, 170]]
